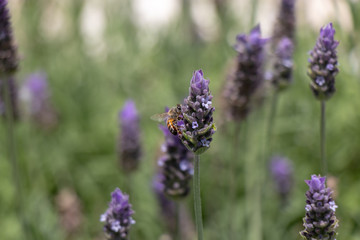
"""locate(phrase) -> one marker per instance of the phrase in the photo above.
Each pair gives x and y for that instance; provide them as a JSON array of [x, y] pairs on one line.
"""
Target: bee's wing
[[159, 117]]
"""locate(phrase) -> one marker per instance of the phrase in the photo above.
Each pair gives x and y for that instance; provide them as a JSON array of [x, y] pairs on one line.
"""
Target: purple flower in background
[[248, 75], [285, 24], [197, 126], [167, 207], [175, 166], [118, 217], [283, 65], [129, 148], [320, 221], [35, 93], [10, 83], [282, 173], [323, 64], [8, 51]]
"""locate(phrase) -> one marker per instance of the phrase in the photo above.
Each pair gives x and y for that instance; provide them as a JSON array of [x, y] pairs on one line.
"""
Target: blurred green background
[[98, 53]]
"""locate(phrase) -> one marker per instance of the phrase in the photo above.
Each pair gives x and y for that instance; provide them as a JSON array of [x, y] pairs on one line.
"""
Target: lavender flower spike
[[129, 148], [117, 217], [197, 126], [323, 64], [8, 51], [176, 166], [320, 221], [35, 93], [282, 73], [248, 76], [285, 24], [282, 173]]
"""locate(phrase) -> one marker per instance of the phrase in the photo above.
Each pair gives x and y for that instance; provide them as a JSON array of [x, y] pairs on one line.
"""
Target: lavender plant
[[129, 145], [9, 87], [35, 93], [8, 51], [118, 217], [282, 173], [175, 166], [322, 71], [320, 221], [285, 24], [248, 76], [196, 130]]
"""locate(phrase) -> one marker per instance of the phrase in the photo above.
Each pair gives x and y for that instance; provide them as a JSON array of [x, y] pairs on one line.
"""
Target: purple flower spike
[[285, 24], [35, 93], [118, 217], [8, 51], [283, 65], [175, 166], [323, 64], [129, 146], [320, 221], [282, 173], [196, 133], [248, 76]]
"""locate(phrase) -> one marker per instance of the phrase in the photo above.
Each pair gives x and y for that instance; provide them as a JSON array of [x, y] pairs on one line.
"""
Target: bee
[[172, 117]]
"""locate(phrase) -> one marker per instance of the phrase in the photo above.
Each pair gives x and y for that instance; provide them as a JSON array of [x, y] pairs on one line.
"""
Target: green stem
[[9, 111], [271, 124], [232, 185], [197, 199], [322, 139], [253, 12]]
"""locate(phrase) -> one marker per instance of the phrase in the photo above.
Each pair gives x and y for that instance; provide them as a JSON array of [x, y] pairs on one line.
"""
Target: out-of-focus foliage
[[96, 57]]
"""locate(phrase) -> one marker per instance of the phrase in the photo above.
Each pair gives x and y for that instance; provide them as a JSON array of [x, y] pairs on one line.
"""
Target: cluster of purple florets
[[118, 217], [320, 221]]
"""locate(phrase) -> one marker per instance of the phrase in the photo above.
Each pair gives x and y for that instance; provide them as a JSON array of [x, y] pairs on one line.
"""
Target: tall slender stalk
[[197, 198], [253, 12], [322, 139], [271, 124], [232, 185], [9, 111]]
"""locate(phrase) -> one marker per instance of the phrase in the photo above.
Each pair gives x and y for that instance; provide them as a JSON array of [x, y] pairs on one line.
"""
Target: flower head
[[247, 77], [8, 52], [118, 217], [285, 24], [282, 173], [35, 93], [320, 221], [283, 65], [129, 147], [197, 126], [323, 64], [175, 166]]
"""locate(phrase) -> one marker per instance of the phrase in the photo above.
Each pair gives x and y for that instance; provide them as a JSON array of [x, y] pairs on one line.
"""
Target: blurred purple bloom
[[8, 51], [320, 221], [118, 217], [129, 148], [323, 64], [176, 168], [248, 75], [283, 65], [167, 207], [35, 93], [10, 83], [197, 112], [282, 173], [285, 24]]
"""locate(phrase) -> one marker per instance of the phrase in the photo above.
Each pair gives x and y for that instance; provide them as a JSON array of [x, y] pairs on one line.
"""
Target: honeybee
[[172, 117]]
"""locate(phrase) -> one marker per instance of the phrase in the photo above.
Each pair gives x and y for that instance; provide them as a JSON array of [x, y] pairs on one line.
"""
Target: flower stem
[[322, 139], [9, 111], [271, 124], [232, 173], [197, 199]]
